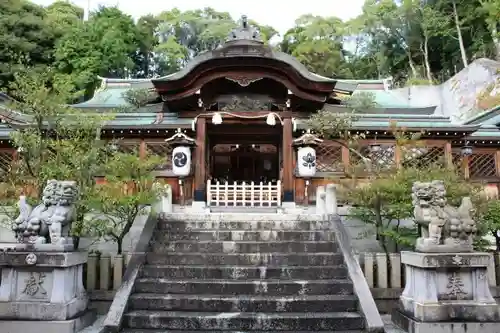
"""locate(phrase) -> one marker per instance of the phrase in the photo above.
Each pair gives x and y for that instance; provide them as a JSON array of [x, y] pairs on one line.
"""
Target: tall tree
[[26, 38], [106, 45], [317, 43]]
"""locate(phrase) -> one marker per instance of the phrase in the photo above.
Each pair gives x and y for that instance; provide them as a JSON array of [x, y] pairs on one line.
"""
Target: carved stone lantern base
[[43, 291], [445, 293]]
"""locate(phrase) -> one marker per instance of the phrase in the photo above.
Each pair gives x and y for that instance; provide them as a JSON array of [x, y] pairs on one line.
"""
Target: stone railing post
[[320, 200], [164, 200], [331, 199]]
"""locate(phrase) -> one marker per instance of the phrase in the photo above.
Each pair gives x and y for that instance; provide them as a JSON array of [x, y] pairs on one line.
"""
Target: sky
[[279, 14]]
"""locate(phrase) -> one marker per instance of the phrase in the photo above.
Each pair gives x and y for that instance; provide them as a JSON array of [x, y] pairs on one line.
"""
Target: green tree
[[317, 42], [25, 36], [106, 45], [127, 191], [491, 220], [55, 142], [63, 16]]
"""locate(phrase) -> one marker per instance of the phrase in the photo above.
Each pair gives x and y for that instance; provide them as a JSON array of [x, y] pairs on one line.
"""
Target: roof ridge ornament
[[244, 32]]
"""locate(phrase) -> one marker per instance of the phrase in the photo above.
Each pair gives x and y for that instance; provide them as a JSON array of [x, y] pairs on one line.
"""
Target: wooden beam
[[282, 114]]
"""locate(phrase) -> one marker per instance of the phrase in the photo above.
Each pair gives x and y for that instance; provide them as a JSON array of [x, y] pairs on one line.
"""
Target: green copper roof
[[386, 99], [488, 117], [486, 132], [111, 93], [383, 122], [147, 120]]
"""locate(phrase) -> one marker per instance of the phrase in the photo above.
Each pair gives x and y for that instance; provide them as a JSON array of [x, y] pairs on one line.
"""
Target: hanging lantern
[[306, 162], [306, 154], [181, 161], [466, 150], [181, 154]]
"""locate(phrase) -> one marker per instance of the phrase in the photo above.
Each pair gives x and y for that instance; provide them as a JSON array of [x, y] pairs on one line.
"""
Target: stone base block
[[63, 326], [32, 310], [199, 206], [443, 287], [42, 285], [411, 325]]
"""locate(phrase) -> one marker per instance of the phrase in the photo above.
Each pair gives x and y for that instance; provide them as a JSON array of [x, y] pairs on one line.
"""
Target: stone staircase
[[243, 273]]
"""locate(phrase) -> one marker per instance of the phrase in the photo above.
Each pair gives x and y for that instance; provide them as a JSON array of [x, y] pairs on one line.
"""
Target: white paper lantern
[[306, 162], [181, 161]]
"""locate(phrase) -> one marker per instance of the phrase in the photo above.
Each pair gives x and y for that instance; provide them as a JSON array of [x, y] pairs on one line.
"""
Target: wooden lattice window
[[329, 157], [128, 146], [456, 159], [423, 157], [164, 151], [380, 159], [482, 165], [6, 157]]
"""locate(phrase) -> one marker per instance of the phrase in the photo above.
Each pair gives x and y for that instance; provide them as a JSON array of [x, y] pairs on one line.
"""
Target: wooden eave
[[251, 58], [415, 111]]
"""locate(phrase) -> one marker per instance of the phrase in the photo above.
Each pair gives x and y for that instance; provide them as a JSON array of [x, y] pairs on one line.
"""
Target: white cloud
[[279, 14]]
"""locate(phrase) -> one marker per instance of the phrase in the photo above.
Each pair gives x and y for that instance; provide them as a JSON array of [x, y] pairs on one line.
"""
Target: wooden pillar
[[143, 149], [397, 156], [288, 193], [345, 157], [465, 167], [199, 171], [448, 157]]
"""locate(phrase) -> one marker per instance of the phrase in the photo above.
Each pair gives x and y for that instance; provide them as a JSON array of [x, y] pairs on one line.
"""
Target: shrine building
[[231, 126]]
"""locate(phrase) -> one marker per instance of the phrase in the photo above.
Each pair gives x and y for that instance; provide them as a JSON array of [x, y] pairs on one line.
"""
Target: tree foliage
[[123, 196]]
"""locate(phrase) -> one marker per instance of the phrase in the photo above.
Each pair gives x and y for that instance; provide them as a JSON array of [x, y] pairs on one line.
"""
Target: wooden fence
[[104, 272], [243, 194]]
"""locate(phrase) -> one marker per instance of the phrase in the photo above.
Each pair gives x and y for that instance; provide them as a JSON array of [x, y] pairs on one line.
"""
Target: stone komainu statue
[[443, 228], [50, 221]]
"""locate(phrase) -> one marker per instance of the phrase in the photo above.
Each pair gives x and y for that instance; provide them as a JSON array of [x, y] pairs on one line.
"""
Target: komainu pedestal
[[41, 287], [43, 292], [446, 288]]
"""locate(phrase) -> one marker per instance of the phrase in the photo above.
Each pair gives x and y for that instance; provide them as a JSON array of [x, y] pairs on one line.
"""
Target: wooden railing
[[243, 194]]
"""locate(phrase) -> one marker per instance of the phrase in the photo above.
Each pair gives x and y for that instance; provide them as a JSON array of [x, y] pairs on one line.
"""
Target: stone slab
[[32, 310], [411, 325], [445, 260], [43, 259], [63, 326]]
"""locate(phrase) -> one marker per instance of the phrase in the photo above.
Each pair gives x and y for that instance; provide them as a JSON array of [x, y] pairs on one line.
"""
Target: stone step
[[245, 235], [248, 287], [243, 303], [152, 330], [244, 247], [244, 225], [244, 272], [209, 321], [241, 259]]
